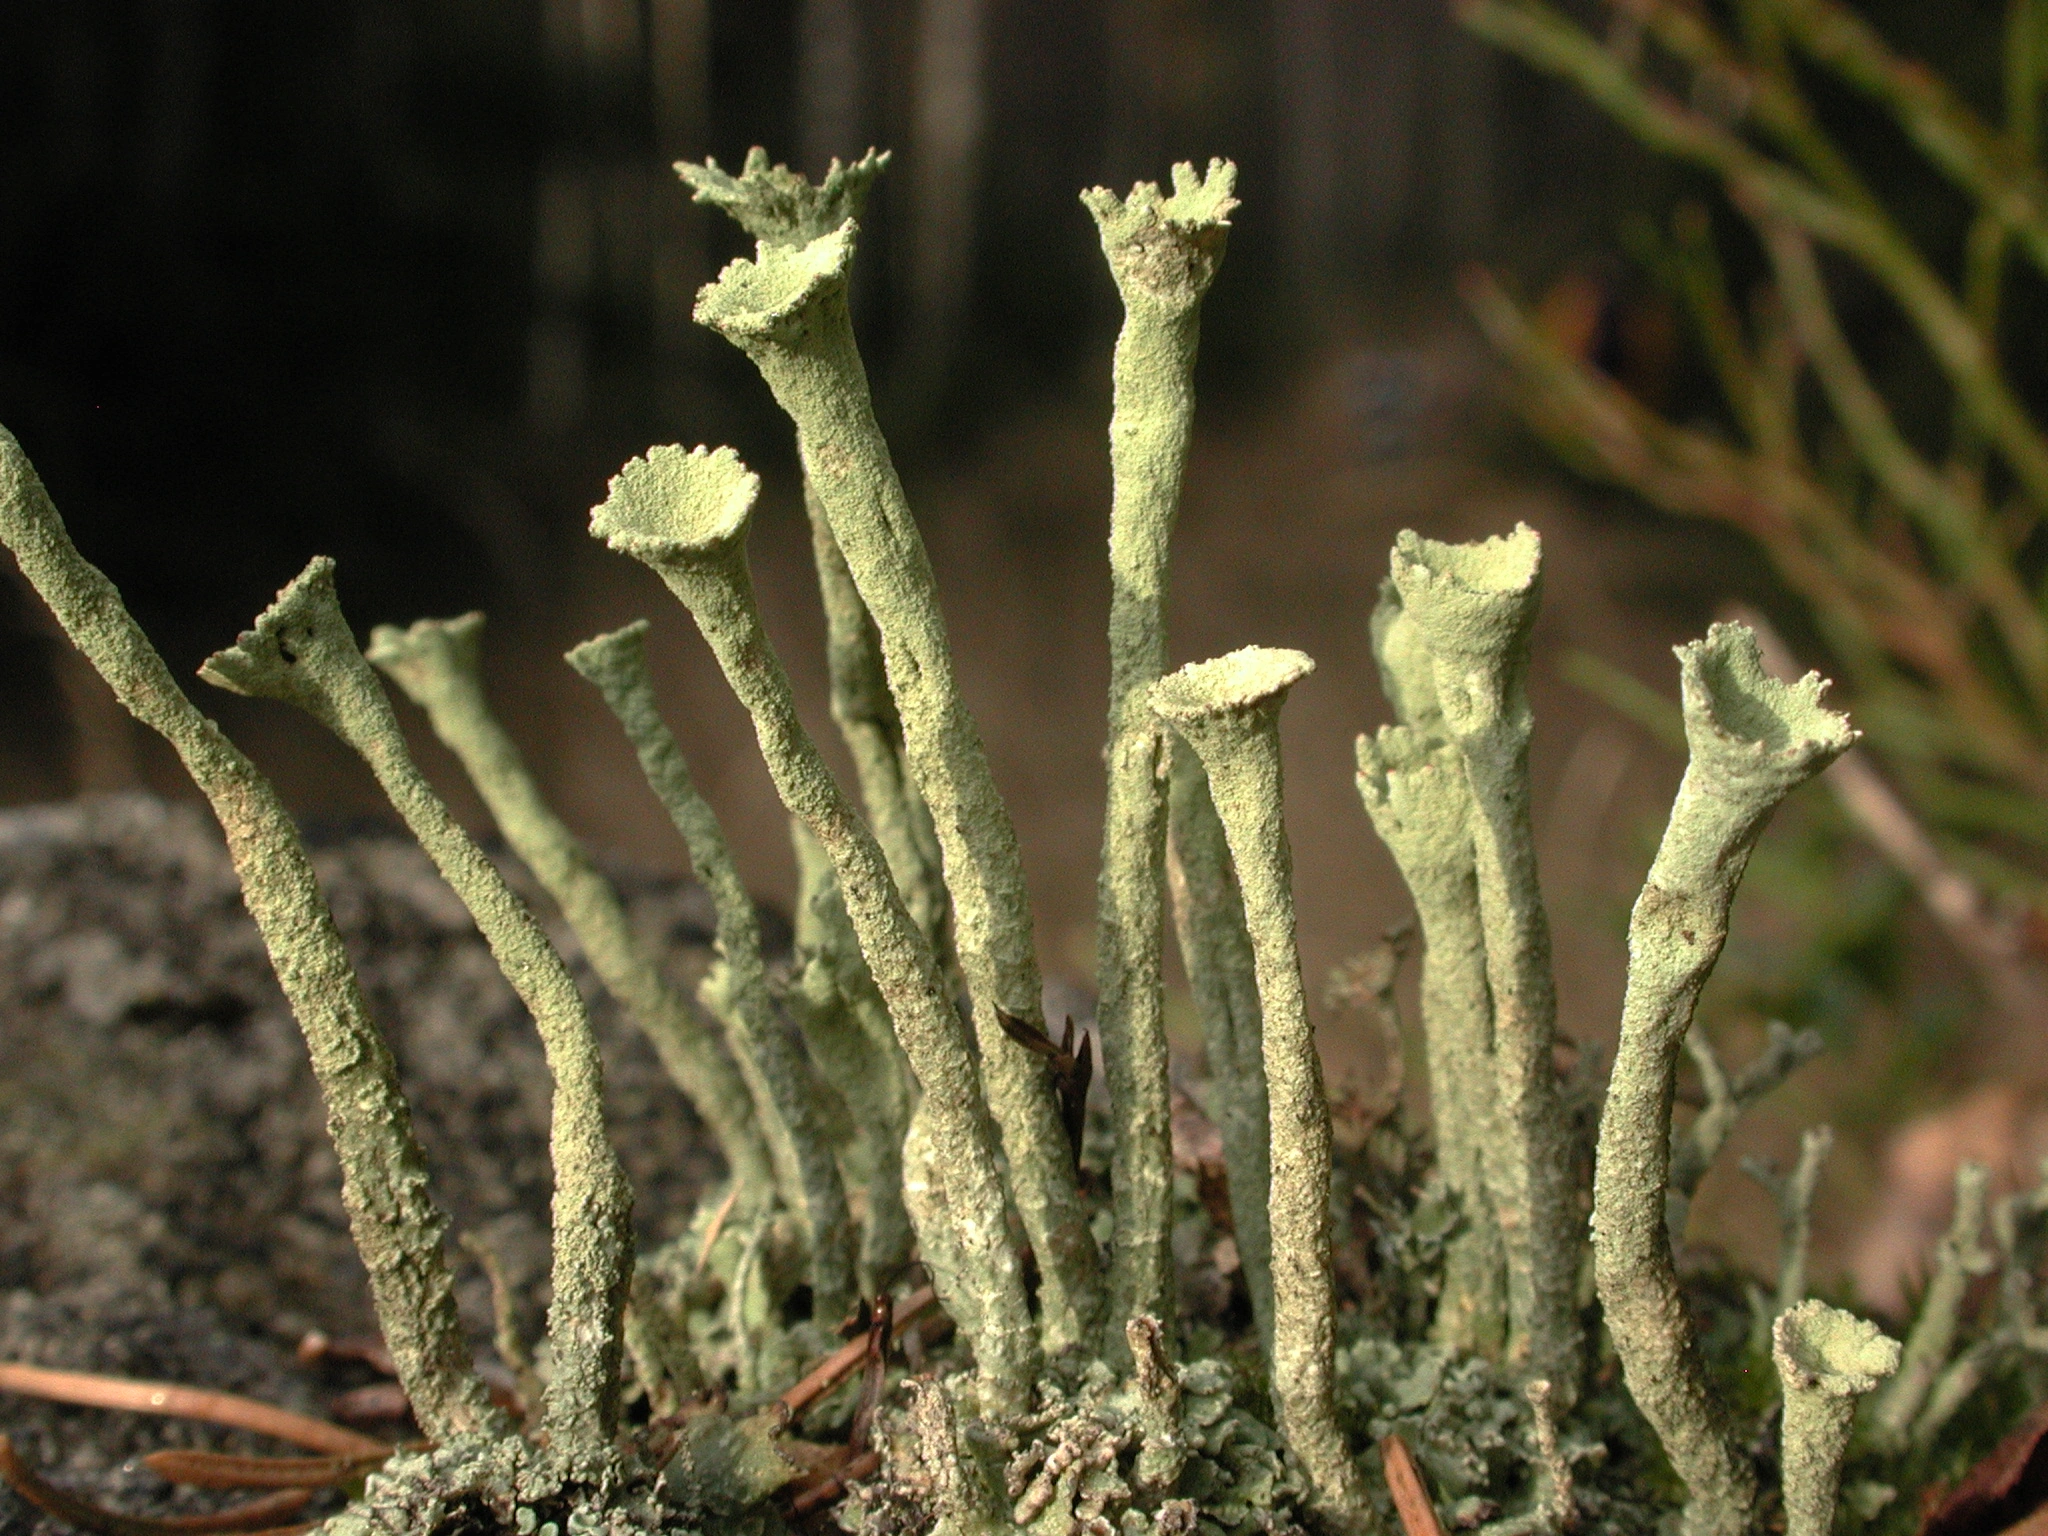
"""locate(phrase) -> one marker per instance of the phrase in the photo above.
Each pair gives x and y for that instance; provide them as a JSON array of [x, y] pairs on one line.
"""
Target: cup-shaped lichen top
[[429, 657], [1474, 603], [1229, 691], [770, 298], [1166, 249], [1819, 1348], [678, 507], [775, 204], [264, 661], [1750, 735]]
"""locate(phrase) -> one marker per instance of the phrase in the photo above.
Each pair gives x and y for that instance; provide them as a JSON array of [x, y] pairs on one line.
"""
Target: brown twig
[[213, 1469], [159, 1397], [818, 1495], [838, 1365], [257, 1515], [1411, 1496]]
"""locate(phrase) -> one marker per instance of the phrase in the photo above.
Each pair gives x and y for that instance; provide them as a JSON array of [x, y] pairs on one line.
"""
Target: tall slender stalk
[[778, 207], [1216, 953], [1472, 606], [439, 665], [1753, 740], [786, 310], [1413, 783], [301, 652], [685, 515], [392, 1218], [1228, 710], [1163, 253], [616, 664]]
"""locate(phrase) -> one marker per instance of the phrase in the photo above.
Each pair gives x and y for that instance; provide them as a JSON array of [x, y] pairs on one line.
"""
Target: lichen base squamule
[[890, 1095]]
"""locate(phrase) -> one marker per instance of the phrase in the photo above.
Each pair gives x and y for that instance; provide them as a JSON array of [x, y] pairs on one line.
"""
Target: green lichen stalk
[[1228, 710], [1216, 952], [1959, 1258], [1412, 780], [1826, 1360], [439, 665], [685, 514], [301, 652], [786, 309], [1752, 740], [1473, 606], [778, 207], [396, 1227], [737, 988], [1163, 253], [846, 1023]]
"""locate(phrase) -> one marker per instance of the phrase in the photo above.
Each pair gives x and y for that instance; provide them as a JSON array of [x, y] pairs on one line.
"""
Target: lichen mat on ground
[[892, 1098]]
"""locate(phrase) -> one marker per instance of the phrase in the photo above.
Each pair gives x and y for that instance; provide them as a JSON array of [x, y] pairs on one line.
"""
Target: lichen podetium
[[786, 309], [685, 514], [1163, 253], [439, 665], [1228, 710], [392, 1218], [1752, 741], [301, 652]]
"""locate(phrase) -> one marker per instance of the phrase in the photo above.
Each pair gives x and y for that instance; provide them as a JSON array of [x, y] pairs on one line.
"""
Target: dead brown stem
[[159, 1397], [257, 1515]]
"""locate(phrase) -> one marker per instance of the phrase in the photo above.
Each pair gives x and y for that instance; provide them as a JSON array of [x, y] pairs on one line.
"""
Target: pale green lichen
[[1163, 253], [301, 652], [1693, 1150], [778, 207], [439, 665], [1752, 740], [736, 988], [1216, 953], [835, 1002], [1228, 710], [786, 309], [1826, 1360], [685, 515], [1472, 606], [1412, 780], [1959, 1258], [396, 1227], [1793, 1195]]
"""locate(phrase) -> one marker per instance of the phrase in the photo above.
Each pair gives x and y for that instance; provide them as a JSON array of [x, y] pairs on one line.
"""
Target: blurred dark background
[[403, 281]]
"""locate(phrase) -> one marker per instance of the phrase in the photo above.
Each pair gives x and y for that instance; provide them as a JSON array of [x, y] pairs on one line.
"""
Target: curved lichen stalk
[[1163, 253], [1228, 710], [685, 514], [392, 1218], [1752, 740], [737, 989], [439, 665], [786, 309], [301, 652]]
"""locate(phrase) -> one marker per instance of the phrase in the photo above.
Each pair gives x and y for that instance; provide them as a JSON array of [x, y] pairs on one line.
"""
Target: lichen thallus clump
[[892, 1095]]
